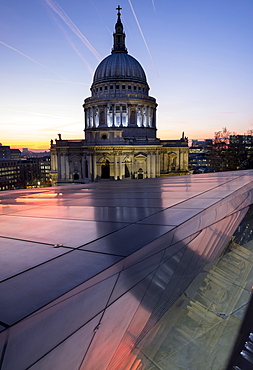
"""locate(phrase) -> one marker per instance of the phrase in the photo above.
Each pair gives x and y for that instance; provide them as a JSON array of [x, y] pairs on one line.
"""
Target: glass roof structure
[[89, 270]]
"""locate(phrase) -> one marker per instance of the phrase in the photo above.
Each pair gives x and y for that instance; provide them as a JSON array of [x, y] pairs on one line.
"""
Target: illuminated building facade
[[120, 127]]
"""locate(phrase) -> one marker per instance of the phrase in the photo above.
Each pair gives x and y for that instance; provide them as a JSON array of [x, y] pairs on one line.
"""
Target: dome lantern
[[119, 36]]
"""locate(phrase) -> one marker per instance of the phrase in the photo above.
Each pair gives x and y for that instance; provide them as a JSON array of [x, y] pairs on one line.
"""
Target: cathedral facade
[[120, 127]]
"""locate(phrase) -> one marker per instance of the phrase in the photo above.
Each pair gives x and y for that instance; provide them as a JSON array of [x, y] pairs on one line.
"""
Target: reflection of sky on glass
[[197, 56]]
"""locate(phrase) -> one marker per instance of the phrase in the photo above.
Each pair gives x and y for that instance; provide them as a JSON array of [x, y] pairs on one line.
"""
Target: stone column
[[148, 165], [63, 171], [96, 115], [87, 112], [178, 160], [128, 114], [150, 117], [151, 112], [113, 115], [85, 118], [158, 170], [115, 166], [136, 115], [105, 113], [93, 117], [120, 115], [153, 167], [94, 167], [120, 167], [154, 117], [53, 162], [67, 166], [90, 166], [154, 164], [186, 160]]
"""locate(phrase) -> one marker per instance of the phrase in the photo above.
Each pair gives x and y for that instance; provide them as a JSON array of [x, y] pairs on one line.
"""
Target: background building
[[232, 152], [21, 173], [199, 156], [120, 127]]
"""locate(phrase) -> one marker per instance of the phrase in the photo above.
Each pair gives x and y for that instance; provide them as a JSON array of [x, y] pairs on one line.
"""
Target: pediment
[[172, 154], [140, 155], [74, 157]]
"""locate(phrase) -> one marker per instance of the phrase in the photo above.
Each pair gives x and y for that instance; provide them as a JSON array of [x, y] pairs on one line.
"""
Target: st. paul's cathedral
[[120, 128]]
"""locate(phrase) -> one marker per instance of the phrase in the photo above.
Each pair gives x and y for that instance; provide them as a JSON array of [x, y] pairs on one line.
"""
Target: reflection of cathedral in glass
[[120, 127]]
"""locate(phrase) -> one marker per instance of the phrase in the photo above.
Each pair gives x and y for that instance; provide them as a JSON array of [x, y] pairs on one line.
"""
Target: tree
[[231, 152], [221, 156]]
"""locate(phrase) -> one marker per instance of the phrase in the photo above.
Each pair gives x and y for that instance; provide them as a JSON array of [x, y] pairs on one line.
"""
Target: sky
[[197, 55]]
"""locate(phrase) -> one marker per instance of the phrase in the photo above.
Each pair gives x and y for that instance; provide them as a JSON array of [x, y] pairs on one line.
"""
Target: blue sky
[[197, 55]]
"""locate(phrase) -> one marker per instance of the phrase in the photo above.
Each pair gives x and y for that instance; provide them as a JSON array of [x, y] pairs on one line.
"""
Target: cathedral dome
[[119, 66], [120, 98]]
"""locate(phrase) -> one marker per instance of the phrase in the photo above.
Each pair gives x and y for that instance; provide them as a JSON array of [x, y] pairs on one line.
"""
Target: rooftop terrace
[[87, 270]]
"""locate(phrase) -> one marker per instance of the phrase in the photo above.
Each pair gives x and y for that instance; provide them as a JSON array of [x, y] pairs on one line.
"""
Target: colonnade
[[120, 164], [120, 115], [175, 159]]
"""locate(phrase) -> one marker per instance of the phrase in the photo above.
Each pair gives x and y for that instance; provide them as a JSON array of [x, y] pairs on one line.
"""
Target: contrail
[[101, 17], [72, 44], [90, 69], [58, 10], [138, 24], [153, 2], [32, 60], [129, 31]]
